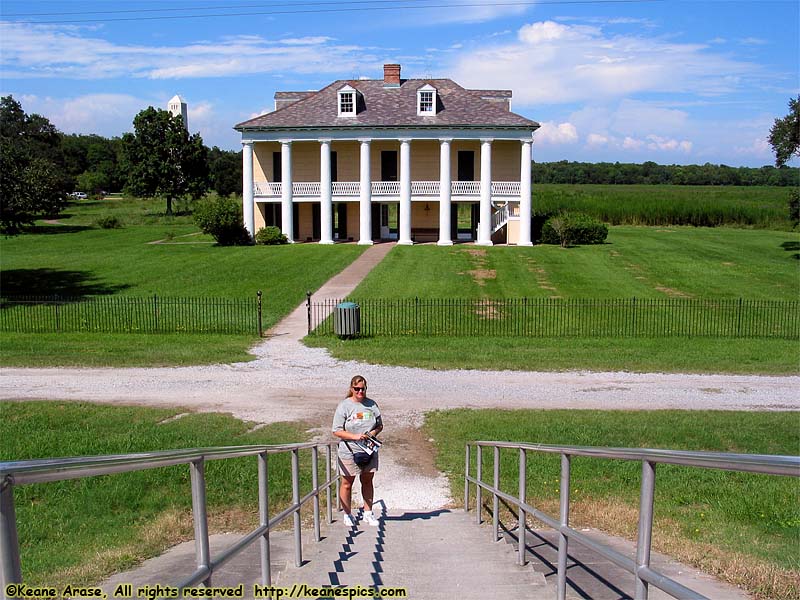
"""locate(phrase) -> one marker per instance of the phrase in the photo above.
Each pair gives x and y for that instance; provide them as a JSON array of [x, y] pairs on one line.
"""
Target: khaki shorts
[[351, 469]]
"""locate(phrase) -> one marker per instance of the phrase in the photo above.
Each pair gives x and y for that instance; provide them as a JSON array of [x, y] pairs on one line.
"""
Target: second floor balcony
[[458, 189]]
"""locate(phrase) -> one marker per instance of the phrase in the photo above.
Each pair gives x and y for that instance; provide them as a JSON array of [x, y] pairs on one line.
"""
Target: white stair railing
[[499, 218]]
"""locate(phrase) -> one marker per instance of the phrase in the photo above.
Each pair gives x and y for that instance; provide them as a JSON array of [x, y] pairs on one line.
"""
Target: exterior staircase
[[434, 555]]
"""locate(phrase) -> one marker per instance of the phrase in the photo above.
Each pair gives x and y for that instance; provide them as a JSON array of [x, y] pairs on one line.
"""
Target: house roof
[[391, 107]]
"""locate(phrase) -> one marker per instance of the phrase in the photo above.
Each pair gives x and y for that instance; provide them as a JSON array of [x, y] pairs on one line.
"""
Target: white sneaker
[[370, 519], [348, 520]]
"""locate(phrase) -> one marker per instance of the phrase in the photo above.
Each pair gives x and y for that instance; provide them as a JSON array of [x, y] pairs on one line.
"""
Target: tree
[[225, 167], [784, 137], [162, 159], [33, 182]]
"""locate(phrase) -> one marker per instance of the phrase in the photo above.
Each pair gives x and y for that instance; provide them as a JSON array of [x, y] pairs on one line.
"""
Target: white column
[[248, 203], [525, 195], [325, 195], [405, 193], [485, 225], [365, 197], [445, 206], [287, 220]]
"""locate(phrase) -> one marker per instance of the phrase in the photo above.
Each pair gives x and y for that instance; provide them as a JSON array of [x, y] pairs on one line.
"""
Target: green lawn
[[675, 262], [746, 515], [80, 259], [79, 531]]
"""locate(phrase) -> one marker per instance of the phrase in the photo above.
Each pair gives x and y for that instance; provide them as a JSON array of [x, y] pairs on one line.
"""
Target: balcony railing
[[311, 189]]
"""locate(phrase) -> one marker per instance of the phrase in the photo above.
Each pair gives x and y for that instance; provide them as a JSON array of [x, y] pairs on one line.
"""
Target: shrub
[[270, 236], [221, 218], [568, 229], [794, 207], [109, 222]]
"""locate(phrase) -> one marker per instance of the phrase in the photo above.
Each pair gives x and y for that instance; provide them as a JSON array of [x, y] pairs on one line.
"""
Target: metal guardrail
[[58, 469], [640, 567]]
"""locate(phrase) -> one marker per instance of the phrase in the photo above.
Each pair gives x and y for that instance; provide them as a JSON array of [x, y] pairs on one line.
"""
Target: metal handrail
[[640, 567], [59, 469]]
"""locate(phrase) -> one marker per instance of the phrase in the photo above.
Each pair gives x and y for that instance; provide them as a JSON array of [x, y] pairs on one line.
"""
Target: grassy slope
[[76, 259], [756, 516], [641, 262], [80, 530]]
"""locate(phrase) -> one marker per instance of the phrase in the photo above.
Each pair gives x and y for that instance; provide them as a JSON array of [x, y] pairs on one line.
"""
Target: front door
[[376, 226], [389, 165], [340, 228], [316, 222], [466, 165]]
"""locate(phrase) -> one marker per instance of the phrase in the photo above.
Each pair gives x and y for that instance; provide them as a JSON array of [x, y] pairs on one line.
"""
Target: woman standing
[[356, 418]]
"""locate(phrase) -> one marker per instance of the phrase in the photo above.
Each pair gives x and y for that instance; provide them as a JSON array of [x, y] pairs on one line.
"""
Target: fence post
[[55, 302], [308, 310], [260, 329], [633, 333], [10, 570], [298, 542], [328, 499], [644, 537], [155, 312], [563, 541], [496, 498], [315, 485], [478, 474], [200, 517], [522, 516], [263, 513], [466, 481], [739, 320]]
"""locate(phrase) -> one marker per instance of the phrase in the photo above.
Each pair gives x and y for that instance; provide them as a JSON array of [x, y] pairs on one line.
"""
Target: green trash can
[[347, 319]]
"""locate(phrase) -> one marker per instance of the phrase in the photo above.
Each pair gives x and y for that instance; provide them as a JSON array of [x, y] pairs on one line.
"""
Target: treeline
[[652, 173]]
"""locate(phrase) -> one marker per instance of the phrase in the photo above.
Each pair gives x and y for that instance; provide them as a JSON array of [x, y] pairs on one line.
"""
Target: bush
[[221, 218], [270, 236], [794, 207], [568, 229], [109, 222]]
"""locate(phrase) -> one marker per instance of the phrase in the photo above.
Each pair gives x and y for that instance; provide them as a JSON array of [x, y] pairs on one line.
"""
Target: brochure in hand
[[369, 445]]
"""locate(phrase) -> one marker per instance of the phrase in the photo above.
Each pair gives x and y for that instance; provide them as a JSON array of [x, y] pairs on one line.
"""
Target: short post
[[521, 516], [200, 516], [563, 541], [10, 569], [328, 499], [315, 485], [155, 312], [644, 538], [739, 319], [58, 320], [478, 488], [298, 542], [260, 328], [263, 513], [496, 499], [466, 481], [308, 310]]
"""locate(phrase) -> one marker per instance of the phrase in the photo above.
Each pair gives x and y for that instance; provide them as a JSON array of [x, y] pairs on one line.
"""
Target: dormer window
[[348, 101], [426, 101]]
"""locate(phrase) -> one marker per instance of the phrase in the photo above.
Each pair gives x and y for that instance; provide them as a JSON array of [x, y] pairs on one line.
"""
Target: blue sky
[[671, 81]]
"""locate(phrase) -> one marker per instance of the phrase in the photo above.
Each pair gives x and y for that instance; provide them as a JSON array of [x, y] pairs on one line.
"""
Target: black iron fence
[[131, 314], [542, 317]]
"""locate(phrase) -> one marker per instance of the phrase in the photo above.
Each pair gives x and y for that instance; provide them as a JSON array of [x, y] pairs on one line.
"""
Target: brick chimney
[[391, 75]]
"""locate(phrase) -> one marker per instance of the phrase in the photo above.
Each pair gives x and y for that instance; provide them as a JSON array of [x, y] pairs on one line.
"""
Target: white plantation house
[[395, 159]]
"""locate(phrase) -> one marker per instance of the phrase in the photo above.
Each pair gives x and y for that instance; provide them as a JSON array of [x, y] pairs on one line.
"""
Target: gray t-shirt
[[354, 417]]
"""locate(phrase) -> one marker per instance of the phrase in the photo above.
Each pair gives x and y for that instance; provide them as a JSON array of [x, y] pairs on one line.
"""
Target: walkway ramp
[[434, 555]]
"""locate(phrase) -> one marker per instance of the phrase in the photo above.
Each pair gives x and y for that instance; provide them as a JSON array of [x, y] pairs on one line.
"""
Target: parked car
[[79, 195]]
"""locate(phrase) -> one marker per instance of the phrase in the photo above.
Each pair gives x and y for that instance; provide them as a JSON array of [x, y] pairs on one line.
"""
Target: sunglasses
[[359, 389]]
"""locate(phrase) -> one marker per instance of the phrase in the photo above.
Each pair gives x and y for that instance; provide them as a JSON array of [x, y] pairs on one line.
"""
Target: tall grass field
[[741, 526], [81, 530], [699, 205]]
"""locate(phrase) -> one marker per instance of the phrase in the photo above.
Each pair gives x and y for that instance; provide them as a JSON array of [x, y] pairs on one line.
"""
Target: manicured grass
[[78, 531], [637, 262], [121, 350], [78, 259], [672, 355], [699, 205], [749, 515]]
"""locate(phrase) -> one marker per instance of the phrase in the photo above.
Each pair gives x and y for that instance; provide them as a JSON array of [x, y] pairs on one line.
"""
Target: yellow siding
[[262, 160], [513, 232], [353, 220], [305, 161], [505, 160], [259, 222], [428, 219], [376, 148], [305, 225], [347, 160], [425, 160]]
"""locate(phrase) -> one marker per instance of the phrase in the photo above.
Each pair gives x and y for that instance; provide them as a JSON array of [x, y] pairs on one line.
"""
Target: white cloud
[[556, 134], [553, 63], [595, 139], [41, 51], [656, 142], [631, 144], [104, 114]]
